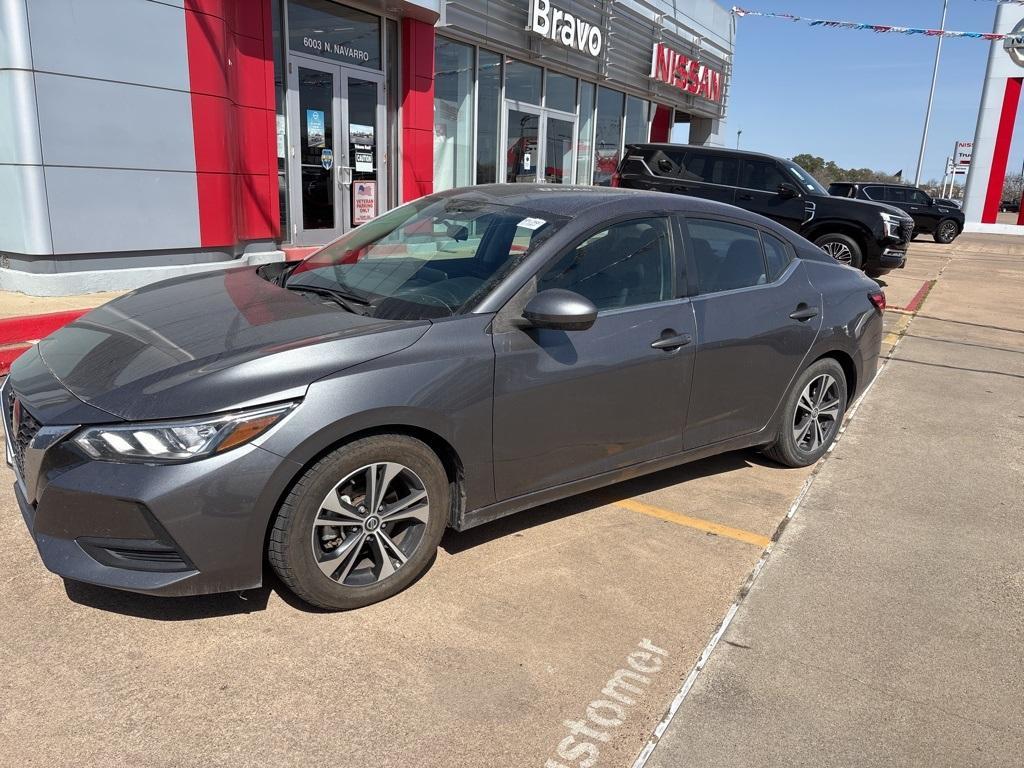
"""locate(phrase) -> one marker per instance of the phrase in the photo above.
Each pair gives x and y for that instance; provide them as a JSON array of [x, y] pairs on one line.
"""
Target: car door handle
[[746, 196], [804, 313], [675, 341]]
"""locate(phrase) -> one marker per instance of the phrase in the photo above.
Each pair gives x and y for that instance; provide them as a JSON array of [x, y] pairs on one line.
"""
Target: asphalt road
[[489, 659]]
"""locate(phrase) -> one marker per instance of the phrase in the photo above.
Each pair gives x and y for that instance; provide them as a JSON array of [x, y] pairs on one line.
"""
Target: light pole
[[931, 96], [738, 134]]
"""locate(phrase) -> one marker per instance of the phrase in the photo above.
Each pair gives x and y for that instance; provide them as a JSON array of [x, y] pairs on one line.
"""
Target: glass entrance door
[[540, 145], [559, 150], [337, 153], [522, 145]]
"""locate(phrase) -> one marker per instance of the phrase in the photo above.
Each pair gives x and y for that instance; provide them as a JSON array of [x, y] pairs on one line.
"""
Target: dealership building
[[143, 139]]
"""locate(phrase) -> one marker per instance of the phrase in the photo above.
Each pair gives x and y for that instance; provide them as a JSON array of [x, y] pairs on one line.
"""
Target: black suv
[[863, 234], [937, 218]]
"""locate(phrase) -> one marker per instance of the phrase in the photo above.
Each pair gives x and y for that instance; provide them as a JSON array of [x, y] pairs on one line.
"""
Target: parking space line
[[898, 329], [747, 537]]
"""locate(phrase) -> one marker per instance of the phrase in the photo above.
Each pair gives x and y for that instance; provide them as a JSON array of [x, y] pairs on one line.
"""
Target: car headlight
[[176, 441], [891, 224]]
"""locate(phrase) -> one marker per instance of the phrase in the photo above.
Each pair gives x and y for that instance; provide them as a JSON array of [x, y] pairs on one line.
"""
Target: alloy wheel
[[370, 523], [839, 251], [947, 232], [817, 413]]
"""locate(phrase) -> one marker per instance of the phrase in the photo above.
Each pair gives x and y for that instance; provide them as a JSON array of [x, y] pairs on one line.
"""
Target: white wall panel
[[19, 131], [24, 227], [95, 209], [114, 125], [133, 41]]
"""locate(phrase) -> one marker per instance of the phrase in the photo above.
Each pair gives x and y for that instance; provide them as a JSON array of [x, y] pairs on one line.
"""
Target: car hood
[[864, 205], [211, 342]]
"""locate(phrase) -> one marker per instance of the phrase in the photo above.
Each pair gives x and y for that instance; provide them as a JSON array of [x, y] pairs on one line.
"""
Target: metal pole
[[931, 96], [738, 134]]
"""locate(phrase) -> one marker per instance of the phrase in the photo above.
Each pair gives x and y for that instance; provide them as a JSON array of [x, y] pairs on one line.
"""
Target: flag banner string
[[881, 28]]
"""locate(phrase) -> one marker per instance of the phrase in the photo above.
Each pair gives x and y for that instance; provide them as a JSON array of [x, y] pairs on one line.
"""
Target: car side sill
[[474, 517]]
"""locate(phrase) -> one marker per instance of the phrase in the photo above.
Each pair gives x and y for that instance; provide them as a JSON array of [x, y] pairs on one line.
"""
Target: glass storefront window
[[332, 31], [453, 114], [561, 92], [637, 130], [585, 140], [488, 112], [608, 141], [522, 82]]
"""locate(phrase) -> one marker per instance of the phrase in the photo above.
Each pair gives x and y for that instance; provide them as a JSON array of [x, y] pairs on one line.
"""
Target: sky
[[858, 97]]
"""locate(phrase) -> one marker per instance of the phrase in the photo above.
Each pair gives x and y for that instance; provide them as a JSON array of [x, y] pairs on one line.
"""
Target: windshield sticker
[[531, 223]]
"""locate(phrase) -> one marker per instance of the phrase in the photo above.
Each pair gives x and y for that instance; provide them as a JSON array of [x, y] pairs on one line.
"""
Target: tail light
[[616, 179], [878, 299]]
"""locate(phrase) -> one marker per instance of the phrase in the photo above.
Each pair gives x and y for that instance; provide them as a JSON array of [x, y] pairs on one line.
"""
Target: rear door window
[[761, 175], [917, 197], [711, 168], [896, 195], [874, 193], [666, 162], [777, 254], [727, 256]]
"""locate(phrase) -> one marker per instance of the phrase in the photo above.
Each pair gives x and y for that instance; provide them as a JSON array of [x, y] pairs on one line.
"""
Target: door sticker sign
[[315, 128], [364, 161], [527, 161], [364, 201], [327, 158]]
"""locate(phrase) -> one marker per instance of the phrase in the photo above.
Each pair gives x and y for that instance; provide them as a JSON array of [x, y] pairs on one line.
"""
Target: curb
[[18, 334]]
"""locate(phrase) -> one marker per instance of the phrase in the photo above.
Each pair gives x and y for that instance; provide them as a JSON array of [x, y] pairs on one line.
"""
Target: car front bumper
[[164, 529]]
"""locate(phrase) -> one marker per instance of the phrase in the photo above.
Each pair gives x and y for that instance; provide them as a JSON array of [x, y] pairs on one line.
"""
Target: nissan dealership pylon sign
[[685, 73]]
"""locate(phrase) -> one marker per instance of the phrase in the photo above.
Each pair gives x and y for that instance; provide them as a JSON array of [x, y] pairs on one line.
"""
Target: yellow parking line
[[693, 522]]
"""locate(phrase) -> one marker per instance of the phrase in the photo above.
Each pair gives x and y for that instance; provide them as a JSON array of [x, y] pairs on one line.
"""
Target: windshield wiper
[[348, 301]]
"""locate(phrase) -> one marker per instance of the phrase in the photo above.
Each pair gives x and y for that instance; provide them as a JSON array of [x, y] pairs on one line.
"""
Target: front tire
[[362, 524], [842, 248], [946, 232], [811, 415]]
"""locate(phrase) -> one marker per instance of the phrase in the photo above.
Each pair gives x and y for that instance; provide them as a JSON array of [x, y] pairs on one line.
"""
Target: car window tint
[[874, 193], [777, 254], [917, 197], [727, 256], [665, 162], [762, 175], [624, 265], [711, 168], [896, 195]]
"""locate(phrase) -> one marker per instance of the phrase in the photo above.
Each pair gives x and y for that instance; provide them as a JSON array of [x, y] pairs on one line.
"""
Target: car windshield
[[808, 182], [432, 258]]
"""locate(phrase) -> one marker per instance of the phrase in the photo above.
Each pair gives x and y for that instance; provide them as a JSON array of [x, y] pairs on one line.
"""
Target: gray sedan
[[458, 359]]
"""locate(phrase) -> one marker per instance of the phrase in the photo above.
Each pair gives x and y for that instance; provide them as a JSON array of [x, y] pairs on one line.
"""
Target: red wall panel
[[1004, 137], [661, 125], [417, 67], [231, 76]]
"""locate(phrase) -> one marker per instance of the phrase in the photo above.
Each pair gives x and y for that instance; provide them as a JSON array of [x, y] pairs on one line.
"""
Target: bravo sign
[[686, 74], [562, 27]]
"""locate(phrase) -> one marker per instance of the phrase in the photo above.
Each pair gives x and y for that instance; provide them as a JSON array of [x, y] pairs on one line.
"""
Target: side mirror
[[560, 310], [787, 190]]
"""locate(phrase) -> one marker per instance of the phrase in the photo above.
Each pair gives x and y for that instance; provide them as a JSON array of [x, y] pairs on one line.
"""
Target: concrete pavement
[[885, 628]]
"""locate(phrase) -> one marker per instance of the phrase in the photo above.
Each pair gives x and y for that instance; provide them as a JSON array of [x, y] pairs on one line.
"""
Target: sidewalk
[[886, 627]]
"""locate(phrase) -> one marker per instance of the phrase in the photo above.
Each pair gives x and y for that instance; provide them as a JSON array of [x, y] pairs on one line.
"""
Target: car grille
[[22, 433], [906, 231]]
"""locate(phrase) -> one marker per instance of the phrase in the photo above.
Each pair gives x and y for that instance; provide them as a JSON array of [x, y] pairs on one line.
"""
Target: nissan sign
[[562, 27], [686, 74]]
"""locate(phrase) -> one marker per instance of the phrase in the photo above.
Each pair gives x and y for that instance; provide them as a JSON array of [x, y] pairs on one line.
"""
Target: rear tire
[[818, 395], [361, 524], [842, 248], [946, 232]]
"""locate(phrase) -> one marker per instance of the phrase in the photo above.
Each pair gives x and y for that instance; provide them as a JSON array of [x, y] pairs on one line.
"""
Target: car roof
[[702, 147], [571, 201]]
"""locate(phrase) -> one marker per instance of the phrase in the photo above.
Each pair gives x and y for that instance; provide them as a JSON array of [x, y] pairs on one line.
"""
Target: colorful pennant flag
[[741, 12]]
